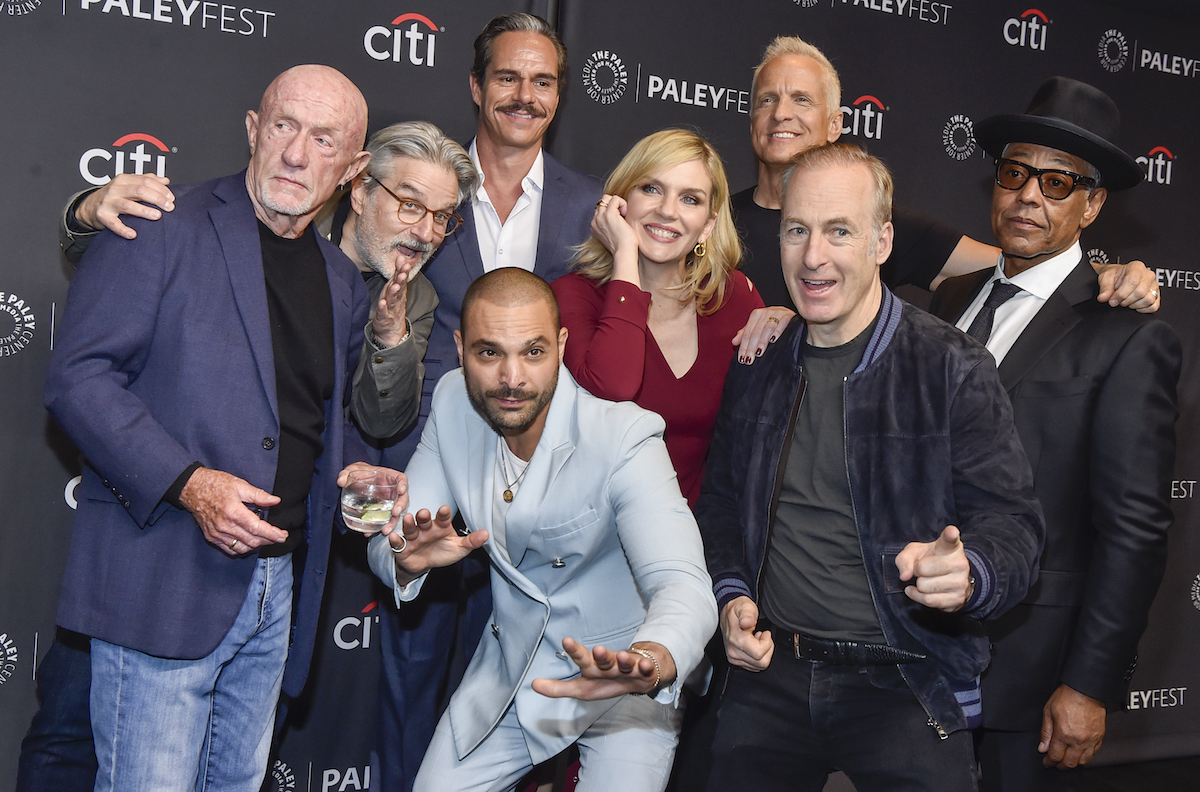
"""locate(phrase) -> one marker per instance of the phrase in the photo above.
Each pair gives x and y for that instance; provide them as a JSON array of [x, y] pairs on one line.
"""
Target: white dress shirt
[[512, 243], [1036, 283]]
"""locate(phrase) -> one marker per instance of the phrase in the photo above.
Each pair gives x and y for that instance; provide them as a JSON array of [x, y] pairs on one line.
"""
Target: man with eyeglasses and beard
[[1093, 390]]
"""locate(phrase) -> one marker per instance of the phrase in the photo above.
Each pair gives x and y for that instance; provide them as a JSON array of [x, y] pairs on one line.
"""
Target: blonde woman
[[655, 306]]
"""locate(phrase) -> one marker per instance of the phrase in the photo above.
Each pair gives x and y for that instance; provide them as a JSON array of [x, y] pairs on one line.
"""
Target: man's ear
[[562, 343], [458, 342], [883, 245], [252, 129], [476, 91], [1095, 203]]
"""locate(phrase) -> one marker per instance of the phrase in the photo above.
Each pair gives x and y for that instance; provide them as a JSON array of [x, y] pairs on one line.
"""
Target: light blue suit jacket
[[598, 545]]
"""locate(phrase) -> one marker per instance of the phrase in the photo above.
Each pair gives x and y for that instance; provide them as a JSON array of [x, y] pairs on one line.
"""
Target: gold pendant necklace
[[508, 492]]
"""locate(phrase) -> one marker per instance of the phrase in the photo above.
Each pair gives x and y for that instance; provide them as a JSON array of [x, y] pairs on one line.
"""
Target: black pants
[[1010, 762], [788, 727]]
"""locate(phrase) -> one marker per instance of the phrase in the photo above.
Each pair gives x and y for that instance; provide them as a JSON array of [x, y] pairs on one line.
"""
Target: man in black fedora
[[1093, 393]]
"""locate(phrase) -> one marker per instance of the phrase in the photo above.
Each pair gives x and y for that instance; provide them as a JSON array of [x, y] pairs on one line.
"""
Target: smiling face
[[384, 242], [831, 253], [670, 212], [790, 112], [510, 356], [305, 139], [1031, 228], [518, 96]]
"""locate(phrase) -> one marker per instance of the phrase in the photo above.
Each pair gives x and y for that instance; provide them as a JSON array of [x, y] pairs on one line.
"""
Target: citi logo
[[124, 158], [1027, 30], [354, 632], [410, 41], [862, 118], [1157, 164]]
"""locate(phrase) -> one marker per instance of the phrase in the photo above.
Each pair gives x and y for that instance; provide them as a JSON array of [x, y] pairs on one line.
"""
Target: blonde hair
[[704, 277], [793, 45]]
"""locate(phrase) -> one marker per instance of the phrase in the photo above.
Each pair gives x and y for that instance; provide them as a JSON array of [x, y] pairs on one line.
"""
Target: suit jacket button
[[268, 443], [383, 393], [558, 563], [562, 655], [495, 631], [378, 359]]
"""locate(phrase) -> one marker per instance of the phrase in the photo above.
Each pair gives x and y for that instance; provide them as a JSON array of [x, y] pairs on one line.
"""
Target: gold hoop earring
[[700, 250]]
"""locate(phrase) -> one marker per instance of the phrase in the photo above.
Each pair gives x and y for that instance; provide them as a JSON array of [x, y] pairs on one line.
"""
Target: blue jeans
[[57, 752], [788, 727], [179, 725]]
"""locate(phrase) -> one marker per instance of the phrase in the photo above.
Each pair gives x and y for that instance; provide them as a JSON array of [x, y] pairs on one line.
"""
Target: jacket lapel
[[237, 230], [1049, 325], [554, 207]]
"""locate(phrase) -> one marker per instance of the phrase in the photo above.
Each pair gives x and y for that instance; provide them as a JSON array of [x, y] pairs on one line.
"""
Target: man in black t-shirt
[[796, 105]]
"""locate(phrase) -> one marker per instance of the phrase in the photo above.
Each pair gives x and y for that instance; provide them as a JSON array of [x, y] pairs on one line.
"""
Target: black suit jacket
[[1093, 394]]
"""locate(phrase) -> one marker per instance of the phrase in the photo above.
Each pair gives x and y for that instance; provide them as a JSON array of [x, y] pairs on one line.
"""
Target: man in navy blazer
[[202, 370]]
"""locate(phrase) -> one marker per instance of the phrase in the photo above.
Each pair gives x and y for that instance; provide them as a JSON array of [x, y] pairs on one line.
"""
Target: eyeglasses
[[411, 212], [1055, 184]]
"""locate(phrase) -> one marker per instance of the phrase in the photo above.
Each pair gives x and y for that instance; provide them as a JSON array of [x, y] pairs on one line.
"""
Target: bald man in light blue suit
[[598, 578]]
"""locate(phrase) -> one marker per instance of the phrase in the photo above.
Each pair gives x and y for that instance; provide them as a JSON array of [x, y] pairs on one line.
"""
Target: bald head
[[306, 138], [323, 83], [509, 287]]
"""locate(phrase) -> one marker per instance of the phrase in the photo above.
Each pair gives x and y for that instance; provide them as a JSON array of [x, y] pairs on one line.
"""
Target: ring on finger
[[772, 320], [401, 548], [233, 545], [601, 204]]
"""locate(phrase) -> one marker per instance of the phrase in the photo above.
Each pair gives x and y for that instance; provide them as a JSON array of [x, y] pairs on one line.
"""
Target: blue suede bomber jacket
[[930, 442]]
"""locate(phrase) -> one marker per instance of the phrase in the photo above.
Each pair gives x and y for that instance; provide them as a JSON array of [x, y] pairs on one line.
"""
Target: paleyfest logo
[[17, 324], [148, 156], [21, 7], [1113, 50], [958, 137], [412, 38], [605, 77]]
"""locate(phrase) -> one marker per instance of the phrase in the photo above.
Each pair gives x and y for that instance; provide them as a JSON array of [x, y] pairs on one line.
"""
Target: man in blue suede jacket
[[866, 502]]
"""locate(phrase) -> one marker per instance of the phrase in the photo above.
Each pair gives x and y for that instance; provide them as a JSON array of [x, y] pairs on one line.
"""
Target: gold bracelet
[[657, 670]]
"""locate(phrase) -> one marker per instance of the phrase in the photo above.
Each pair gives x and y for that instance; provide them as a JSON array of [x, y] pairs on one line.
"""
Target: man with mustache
[[210, 416], [1093, 391], [602, 604]]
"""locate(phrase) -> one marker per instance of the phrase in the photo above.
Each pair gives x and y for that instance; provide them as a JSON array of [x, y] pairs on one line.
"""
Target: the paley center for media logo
[[136, 153], [410, 38], [606, 79], [958, 137], [17, 324]]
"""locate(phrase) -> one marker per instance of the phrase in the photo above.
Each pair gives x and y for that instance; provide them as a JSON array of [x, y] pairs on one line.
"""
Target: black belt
[[849, 653]]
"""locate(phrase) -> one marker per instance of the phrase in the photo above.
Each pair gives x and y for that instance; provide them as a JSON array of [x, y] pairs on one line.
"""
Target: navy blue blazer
[[568, 203], [164, 357]]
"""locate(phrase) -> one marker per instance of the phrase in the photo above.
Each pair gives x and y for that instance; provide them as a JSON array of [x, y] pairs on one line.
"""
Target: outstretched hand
[[604, 673], [941, 570], [762, 328], [425, 541]]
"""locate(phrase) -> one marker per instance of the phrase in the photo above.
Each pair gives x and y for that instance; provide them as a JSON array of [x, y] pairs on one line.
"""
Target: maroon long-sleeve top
[[612, 353]]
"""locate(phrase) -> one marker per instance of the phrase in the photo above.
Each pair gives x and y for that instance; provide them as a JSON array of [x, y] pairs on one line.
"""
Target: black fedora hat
[[1070, 116]]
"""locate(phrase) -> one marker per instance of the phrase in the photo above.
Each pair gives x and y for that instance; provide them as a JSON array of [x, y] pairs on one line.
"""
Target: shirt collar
[[1042, 279], [534, 180]]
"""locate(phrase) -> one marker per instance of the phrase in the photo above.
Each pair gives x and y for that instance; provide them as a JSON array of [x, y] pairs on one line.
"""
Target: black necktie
[[981, 328]]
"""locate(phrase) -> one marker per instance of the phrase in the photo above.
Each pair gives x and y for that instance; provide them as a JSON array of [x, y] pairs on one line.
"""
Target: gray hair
[[421, 140], [793, 45], [848, 155]]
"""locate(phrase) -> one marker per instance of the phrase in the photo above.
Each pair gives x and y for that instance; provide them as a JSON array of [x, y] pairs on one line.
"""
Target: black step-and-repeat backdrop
[[94, 88]]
